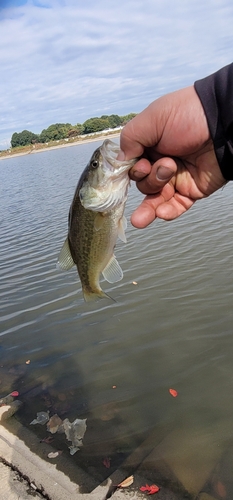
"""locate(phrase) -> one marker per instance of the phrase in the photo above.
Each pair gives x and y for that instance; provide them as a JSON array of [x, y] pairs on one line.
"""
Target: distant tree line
[[59, 131]]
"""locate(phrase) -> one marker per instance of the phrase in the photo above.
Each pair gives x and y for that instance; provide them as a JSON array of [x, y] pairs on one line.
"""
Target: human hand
[[178, 164]]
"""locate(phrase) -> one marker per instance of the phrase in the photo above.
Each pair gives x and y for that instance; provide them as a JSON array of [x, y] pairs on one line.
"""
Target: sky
[[64, 61]]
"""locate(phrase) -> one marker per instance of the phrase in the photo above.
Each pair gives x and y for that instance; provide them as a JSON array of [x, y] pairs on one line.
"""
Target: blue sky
[[69, 60]]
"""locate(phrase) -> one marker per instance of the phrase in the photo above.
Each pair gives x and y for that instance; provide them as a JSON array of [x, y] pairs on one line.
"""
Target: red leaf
[[106, 462], [173, 393], [47, 440], [14, 394], [153, 489], [145, 488]]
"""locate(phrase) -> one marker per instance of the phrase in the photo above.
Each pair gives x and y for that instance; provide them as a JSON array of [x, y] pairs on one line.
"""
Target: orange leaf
[[173, 393], [127, 482]]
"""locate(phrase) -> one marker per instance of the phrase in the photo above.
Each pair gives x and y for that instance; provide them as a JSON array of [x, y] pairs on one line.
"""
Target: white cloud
[[69, 60]]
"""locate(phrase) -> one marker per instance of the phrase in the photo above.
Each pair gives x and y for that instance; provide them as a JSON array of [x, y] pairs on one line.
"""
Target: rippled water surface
[[114, 362]]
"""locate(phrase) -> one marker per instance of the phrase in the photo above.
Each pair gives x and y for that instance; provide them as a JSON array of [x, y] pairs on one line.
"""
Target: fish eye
[[94, 163]]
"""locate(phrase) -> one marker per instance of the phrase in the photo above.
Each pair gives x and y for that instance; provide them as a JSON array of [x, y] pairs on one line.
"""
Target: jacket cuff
[[216, 95]]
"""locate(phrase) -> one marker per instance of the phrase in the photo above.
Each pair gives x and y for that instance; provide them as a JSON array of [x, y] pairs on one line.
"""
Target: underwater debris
[[54, 423], [74, 432], [42, 418]]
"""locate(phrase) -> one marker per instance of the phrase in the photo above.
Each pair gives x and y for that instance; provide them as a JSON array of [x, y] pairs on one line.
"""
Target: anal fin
[[113, 272]]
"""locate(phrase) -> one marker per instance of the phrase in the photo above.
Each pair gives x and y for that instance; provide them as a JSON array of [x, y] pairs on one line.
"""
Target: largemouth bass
[[96, 219]]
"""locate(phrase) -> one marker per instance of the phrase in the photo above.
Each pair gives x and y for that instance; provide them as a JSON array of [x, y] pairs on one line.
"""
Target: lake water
[[114, 362]]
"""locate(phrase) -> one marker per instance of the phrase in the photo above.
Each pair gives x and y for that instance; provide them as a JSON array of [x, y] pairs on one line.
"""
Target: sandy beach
[[34, 150]]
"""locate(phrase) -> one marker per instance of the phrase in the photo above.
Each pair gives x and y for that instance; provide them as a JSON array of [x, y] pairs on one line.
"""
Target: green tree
[[23, 138], [93, 125], [55, 132], [114, 121], [126, 118]]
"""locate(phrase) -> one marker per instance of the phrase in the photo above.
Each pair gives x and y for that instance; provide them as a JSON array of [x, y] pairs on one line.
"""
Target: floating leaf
[[106, 462], [145, 488], [134, 282], [54, 423], [173, 393], [47, 440], [153, 488], [28, 362], [127, 482], [15, 394], [54, 454], [114, 386]]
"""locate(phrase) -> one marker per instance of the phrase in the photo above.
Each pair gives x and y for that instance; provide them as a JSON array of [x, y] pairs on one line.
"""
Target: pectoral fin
[[65, 260], [112, 272], [99, 221], [121, 229]]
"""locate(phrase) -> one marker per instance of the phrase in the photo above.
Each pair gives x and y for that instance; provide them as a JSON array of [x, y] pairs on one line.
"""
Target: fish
[[96, 220]]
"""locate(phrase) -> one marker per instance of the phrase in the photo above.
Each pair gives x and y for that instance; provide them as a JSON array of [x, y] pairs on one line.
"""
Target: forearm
[[216, 95]]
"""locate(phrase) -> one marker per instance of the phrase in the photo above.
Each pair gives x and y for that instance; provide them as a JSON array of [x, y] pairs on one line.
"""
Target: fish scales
[[94, 248], [96, 220]]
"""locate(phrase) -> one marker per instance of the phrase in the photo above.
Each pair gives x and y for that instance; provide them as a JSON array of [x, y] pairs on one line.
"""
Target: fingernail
[[164, 173], [121, 156]]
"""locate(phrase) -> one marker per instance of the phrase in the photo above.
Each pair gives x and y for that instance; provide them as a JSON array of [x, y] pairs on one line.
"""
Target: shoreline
[[59, 146]]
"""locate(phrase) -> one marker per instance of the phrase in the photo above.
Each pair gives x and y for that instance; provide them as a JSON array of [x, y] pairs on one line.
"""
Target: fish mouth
[[109, 151]]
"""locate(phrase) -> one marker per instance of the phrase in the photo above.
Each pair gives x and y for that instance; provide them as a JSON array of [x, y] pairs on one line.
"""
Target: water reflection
[[114, 362]]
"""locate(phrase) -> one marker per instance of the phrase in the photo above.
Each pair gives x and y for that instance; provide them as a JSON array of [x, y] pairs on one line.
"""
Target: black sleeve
[[216, 95]]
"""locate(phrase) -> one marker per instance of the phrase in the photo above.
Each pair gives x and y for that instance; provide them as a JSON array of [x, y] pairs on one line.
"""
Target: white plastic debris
[[74, 432], [73, 449], [42, 418]]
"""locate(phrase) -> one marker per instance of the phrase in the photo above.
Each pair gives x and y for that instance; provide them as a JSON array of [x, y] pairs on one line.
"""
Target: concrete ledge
[[54, 484]]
